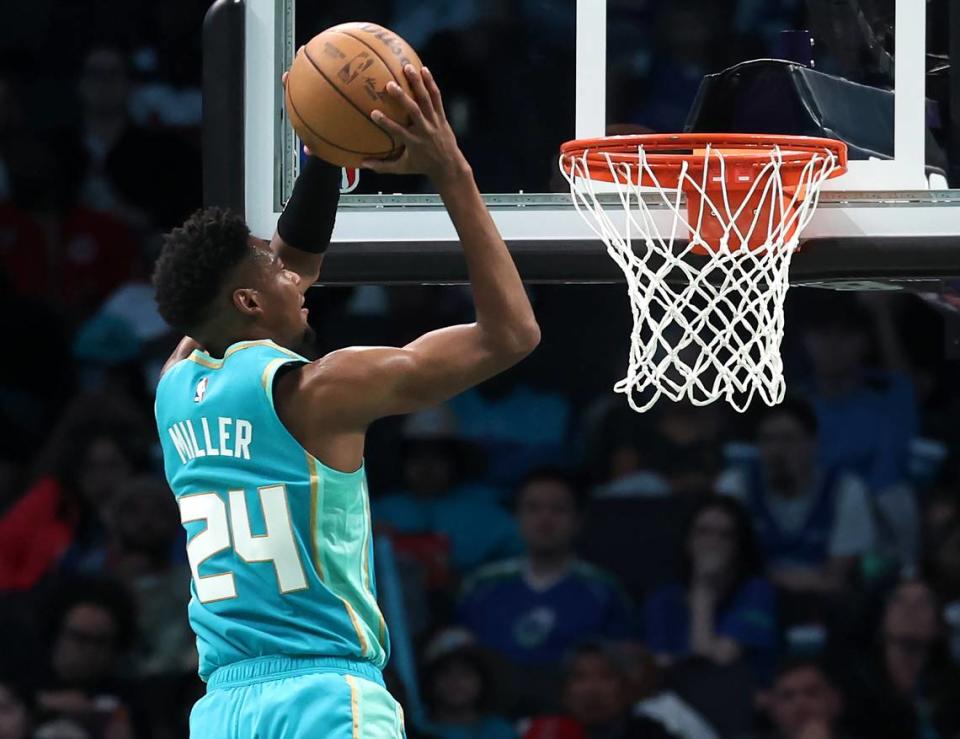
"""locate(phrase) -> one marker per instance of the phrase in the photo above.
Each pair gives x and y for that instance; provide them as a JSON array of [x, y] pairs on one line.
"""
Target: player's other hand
[[429, 144]]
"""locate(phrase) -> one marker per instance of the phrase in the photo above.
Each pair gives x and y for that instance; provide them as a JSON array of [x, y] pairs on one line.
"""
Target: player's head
[[548, 512], [218, 284]]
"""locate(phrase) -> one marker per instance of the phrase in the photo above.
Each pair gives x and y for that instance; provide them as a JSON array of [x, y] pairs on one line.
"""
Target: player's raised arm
[[359, 385], [306, 224]]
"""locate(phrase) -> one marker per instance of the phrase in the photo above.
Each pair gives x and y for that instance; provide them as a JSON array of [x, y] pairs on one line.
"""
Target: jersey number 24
[[230, 526]]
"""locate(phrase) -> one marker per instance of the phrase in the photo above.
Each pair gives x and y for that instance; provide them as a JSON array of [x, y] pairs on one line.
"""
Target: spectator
[[439, 496], [813, 522], [55, 248], [111, 155], [534, 608], [143, 526], [518, 425], [91, 625], [597, 701], [804, 703], [674, 449], [942, 558], [724, 610], [57, 522], [652, 698], [941, 537], [867, 417], [458, 689], [909, 688], [170, 95], [15, 711]]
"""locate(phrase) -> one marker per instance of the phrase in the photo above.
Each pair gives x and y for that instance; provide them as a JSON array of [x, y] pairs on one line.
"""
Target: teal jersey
[[279, 545]]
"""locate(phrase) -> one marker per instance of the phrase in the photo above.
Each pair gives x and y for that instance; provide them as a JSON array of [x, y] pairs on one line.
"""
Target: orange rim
[[666, 154]]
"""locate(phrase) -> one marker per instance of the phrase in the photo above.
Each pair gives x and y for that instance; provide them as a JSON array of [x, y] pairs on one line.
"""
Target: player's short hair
[[194, 262]]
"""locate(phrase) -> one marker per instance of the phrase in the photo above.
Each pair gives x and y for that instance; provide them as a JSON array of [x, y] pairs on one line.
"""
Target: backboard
[[520, 77]]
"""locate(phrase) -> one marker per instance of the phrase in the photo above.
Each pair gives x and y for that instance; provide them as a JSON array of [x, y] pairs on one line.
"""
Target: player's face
[[281, 299]]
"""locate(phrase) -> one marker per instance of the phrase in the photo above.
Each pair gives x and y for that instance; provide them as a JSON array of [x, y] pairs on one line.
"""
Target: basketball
[[337, 80]]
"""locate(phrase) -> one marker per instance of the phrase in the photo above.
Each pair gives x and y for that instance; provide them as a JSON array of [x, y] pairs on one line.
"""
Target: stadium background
[[99, 154]]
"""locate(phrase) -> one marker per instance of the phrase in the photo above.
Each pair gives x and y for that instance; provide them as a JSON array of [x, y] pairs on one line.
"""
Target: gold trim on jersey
[[382, 624], [364, 647], [317, 553], [314, 518], [205, 360]]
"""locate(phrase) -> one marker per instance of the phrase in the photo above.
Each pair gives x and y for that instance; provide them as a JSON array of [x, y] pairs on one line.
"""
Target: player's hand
[[429, 144]]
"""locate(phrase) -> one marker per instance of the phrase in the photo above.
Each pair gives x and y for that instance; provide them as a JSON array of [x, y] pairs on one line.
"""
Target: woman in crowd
[[723, 610], [909, 688], [58, 523]]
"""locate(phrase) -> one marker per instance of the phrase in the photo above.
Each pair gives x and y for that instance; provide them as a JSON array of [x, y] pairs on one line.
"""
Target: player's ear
[[247, 301]]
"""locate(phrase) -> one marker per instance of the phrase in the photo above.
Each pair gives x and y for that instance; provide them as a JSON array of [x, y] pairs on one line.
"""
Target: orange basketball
[[336, 80]]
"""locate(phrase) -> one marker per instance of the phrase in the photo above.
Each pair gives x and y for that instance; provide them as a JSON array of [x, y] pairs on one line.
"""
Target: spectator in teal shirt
[[439, 495]]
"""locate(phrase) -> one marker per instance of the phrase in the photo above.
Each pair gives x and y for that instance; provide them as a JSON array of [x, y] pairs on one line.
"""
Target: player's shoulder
[[492, 574], [346, 375]]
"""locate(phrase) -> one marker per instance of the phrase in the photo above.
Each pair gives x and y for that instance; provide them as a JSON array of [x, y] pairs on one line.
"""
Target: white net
[[707, 315]]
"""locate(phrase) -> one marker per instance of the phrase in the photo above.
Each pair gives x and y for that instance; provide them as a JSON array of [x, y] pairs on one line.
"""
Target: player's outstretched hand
[[429, 144]]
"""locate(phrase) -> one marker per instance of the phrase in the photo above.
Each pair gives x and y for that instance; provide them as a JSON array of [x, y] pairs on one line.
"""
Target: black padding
[[223, 80], [779, 97]]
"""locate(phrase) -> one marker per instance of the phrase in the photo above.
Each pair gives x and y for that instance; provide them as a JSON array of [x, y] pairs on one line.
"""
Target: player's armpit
[[354, 387]]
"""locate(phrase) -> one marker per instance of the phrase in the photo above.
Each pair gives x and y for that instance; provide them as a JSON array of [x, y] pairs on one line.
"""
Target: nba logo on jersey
[[201, 390]]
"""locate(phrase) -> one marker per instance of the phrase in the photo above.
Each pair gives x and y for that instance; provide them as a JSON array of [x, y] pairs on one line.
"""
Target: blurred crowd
[[569, 569]]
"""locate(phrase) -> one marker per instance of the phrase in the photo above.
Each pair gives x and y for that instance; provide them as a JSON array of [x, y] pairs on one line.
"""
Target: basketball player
[[264, 449]]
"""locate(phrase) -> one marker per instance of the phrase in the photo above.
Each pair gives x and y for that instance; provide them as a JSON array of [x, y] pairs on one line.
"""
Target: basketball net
[[708, 313]]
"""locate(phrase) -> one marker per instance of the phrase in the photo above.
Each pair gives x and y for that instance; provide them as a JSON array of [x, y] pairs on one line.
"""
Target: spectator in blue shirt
[[533, 609], [724, 609], [867, 415], [813, 523]]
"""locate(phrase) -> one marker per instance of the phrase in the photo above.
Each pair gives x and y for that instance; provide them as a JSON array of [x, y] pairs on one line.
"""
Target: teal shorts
[[297, 698]]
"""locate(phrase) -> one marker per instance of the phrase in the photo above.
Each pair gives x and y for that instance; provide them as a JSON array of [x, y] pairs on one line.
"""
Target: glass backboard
[[520, 77]]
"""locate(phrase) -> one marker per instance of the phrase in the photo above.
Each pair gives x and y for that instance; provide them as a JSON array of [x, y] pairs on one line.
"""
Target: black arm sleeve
[[307, 221]]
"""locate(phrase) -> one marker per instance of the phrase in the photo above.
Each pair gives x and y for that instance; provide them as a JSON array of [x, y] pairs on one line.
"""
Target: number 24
[[277, 545]]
